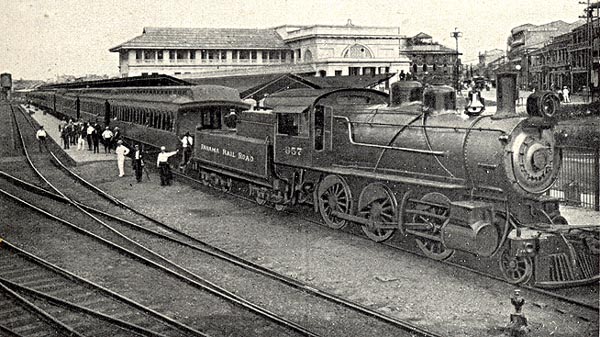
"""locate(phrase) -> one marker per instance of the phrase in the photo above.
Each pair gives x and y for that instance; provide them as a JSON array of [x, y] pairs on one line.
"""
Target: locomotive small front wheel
[[334, 196], [515, 269]]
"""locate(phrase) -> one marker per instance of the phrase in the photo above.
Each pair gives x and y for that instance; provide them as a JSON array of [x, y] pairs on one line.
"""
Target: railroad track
[[62, 301], [355, 314]]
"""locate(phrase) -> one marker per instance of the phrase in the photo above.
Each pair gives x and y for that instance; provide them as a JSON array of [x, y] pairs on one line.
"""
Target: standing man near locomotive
[[121, 152], [138, 163], [187, 143], [162, 162]]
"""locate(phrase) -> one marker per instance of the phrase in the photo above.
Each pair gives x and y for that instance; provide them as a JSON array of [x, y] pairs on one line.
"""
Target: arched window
[[307, 56], [415, 68], [358, 51], [424, 67]]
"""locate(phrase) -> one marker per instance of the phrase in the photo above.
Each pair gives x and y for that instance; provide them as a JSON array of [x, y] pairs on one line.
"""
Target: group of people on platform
[[79, 133], [90, 133]]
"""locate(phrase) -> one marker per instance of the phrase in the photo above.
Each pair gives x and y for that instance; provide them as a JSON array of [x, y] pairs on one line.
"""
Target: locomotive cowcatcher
[[412, 163]]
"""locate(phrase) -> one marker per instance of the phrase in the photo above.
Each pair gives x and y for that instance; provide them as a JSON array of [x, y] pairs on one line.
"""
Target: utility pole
[[456, 34], [589, 22]]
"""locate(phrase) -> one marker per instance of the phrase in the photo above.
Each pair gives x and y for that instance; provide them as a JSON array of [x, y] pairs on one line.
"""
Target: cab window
[[292, 124]]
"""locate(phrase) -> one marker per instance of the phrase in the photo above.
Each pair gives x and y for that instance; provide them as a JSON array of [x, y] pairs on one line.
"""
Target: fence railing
[[578, 183]]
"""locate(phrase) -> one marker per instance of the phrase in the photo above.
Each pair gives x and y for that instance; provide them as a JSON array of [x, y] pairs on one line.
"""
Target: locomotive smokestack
[[506, 95]]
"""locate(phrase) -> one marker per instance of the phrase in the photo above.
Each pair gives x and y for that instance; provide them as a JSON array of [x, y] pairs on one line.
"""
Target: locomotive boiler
[[451, 180]]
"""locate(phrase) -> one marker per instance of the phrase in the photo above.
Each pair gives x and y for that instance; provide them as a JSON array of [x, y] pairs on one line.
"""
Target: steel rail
[[198, 282], [58, 325], [96, 287], [72, 306]]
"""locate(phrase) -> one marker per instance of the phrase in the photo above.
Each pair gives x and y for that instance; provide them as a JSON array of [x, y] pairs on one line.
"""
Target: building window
[[354, 71], [172, 54], [159, 54], [322, 73], [424, 67], [415, 68], [138, 54], [292, 53], [181, 55], [223, 55], [253, 55], [299, 54], [357, 51], [244, 55], [192, 54], [307, 56], [338, 73]]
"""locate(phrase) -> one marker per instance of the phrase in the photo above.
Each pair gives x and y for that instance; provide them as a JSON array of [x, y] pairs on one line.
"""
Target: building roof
[[363, 81], [204, 38], [135, 81], [422, 35]]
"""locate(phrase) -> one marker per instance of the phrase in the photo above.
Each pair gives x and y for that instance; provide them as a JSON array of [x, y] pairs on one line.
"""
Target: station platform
[[80, 157]]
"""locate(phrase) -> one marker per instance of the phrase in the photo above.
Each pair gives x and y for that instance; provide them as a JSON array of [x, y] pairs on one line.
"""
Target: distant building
[[489, 61], [429, 61], [322, 50], [527, 38], [565, 60]]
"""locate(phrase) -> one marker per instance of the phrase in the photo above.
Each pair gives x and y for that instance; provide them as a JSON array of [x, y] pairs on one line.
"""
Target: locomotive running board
[[391, 178]]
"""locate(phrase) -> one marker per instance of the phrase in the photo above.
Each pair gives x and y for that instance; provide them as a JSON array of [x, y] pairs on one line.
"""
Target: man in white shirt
[[41, 137], [565, 93], [107, 136], [187, 142], [89, 134], [162, 162], [121, 152]]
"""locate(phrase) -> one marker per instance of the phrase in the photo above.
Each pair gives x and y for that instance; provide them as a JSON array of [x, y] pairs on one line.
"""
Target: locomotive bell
[[439, 98], [475, 105], [406, 92]]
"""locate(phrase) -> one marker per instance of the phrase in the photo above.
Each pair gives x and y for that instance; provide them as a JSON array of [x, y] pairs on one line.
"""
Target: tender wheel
[[334, 195], [437, 205], [378, 204], [515, 269]]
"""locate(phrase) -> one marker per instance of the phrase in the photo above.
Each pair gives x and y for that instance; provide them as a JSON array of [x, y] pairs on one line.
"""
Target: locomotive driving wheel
[[515, 269], [433, 210], [378, 204], [334, 195]]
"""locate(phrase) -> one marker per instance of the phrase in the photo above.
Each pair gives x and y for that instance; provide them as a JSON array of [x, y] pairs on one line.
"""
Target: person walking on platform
[[138, 163], [121, 152], [187, 143], [107, 136], [89, 131], [41, 137], [162, 162]]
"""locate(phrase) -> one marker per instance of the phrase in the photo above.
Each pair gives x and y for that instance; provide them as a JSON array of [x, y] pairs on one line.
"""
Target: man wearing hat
[[121, 152], [162, 162], [138, 163]]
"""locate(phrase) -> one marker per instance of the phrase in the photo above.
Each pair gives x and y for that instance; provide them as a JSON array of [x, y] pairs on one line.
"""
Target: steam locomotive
[[411, 163]]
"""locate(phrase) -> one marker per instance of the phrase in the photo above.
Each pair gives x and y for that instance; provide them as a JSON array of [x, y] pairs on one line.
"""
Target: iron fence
[[578, 183]]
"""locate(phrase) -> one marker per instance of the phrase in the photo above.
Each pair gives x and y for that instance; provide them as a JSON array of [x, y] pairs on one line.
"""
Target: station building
[[321, 50]]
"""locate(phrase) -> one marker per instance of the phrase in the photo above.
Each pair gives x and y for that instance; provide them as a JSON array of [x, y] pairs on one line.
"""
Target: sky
[[41, 39]]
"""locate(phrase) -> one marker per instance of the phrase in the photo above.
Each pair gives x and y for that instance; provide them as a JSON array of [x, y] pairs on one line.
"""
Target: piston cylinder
[[470, 228]]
